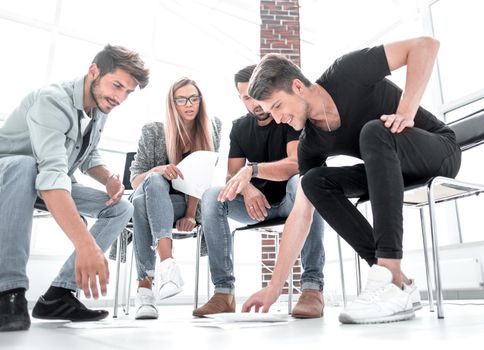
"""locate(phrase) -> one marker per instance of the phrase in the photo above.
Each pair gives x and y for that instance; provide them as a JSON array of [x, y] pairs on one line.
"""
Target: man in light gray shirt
[[54, 131]]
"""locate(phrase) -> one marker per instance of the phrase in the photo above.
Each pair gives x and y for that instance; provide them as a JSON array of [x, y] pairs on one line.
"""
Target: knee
[[309, 180], [209, 200], [315, 182], [155, 182], [24, 168], [292, 183], [372, 135], [125, 208]]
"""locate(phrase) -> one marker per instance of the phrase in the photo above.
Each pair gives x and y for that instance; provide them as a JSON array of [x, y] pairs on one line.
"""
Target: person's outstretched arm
[[294, 235], [91, 263]]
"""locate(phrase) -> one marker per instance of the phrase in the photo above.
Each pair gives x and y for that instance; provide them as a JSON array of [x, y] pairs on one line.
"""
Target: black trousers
[[390, 162]]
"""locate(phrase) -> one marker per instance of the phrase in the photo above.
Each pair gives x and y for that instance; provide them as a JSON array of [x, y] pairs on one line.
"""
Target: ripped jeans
[[155, 211]]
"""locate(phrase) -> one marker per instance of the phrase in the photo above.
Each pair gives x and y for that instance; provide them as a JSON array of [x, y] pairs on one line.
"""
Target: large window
[[55, 40], [458, 26]]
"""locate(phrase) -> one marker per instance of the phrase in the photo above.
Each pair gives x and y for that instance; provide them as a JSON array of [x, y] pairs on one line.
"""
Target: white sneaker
[[145, 304], [381, 301], [170, 279], [414, 295]]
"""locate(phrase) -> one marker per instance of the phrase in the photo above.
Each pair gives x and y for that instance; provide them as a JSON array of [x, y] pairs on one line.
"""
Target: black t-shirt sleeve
[[235, 150], [307, 157], [367, 66], [291, 134]]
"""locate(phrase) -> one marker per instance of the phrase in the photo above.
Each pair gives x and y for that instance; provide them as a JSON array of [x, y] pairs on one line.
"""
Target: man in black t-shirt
[[354, 110], [264, 188]]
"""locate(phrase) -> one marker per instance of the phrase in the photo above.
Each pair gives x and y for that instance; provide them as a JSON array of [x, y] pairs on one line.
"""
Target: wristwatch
[[255, 169]]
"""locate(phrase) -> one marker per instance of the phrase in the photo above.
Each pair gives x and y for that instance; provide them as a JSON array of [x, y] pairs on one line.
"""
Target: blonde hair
[[176, 134]]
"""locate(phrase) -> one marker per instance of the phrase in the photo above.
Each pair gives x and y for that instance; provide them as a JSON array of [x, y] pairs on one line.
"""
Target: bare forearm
[[100, 173], [296, 230], [62, 207], [281, 170], [419, 56], [192, 203]]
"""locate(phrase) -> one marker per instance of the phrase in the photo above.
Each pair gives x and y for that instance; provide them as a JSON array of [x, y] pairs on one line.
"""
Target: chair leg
[[457, 217], [130, 279], [426, 258], [197, 268], [358, 273], [435, 252], [118, 267], [341, 269]]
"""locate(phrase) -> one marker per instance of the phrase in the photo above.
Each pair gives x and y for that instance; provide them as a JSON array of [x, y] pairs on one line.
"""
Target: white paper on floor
[[242, 320], [105, 324]]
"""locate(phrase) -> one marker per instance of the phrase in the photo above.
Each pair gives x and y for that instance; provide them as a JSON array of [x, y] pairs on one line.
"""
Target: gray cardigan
[[152, 147]]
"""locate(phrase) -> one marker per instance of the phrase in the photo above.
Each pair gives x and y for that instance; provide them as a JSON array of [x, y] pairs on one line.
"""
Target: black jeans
[[390, 162]]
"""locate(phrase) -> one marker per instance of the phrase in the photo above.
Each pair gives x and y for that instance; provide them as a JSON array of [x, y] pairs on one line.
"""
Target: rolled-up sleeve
[[94, 159], [48, 121]]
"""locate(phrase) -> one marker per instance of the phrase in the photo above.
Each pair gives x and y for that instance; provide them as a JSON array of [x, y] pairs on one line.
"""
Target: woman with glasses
[[158, 207]]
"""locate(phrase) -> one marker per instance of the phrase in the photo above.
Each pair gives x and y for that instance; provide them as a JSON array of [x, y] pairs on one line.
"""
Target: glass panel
[[72, 58], [23, 67], [43, 11], [120, 22], [465, 111], [458, 26]]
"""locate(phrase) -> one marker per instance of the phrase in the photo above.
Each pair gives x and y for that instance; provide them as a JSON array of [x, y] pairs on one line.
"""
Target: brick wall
[[279, 34]]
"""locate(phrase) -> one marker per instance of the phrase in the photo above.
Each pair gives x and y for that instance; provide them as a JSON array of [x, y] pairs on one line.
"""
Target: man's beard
[[262, 117], [95, 84]]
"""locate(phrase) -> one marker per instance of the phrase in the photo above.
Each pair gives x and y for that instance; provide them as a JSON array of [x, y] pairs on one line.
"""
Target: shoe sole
[[304, 316], [417, 306], [146, 317], [175, 292], [14, 326], [212, 313], [401, 316], [100, 317]]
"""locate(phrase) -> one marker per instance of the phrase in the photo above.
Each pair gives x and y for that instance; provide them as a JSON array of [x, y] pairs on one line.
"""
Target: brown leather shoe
[[217, 304], [309, 305]]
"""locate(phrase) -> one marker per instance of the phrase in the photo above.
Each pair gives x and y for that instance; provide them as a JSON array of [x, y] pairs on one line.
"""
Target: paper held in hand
[[197, 169]]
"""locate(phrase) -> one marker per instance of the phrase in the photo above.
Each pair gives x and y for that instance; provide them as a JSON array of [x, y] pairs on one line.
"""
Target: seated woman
[[157, 206]]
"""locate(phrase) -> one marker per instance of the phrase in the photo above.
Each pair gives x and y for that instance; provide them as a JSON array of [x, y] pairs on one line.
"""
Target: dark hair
[[118, 57], [274, 72], [243, 75]]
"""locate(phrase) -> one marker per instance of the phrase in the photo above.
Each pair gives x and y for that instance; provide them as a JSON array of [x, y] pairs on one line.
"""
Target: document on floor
[[103, 324], [242, 320], [197, 169]]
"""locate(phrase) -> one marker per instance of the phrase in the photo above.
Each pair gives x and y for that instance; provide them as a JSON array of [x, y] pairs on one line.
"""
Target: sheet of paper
[[249, 317], [242, 320], [197, 169], [105, 324]]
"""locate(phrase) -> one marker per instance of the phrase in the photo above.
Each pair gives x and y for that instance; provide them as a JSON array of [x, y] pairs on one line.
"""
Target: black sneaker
[[66, 307], [14, 312]]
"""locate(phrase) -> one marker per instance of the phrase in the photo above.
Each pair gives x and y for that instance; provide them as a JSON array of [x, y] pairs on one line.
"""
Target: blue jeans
[[155, 211], [215, 226], [18, 194]]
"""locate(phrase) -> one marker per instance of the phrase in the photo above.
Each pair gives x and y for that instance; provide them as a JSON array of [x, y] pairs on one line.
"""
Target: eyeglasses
[[182, 101]]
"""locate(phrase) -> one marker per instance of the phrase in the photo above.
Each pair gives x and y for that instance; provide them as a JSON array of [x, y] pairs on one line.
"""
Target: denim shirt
[[46, 125]]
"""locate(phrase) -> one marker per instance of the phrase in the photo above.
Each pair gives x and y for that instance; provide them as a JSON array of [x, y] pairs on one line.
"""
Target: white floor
[[462, 327]]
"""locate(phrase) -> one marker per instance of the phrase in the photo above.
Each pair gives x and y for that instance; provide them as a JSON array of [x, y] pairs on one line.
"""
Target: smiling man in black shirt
[[262, 179], [352, 109]]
